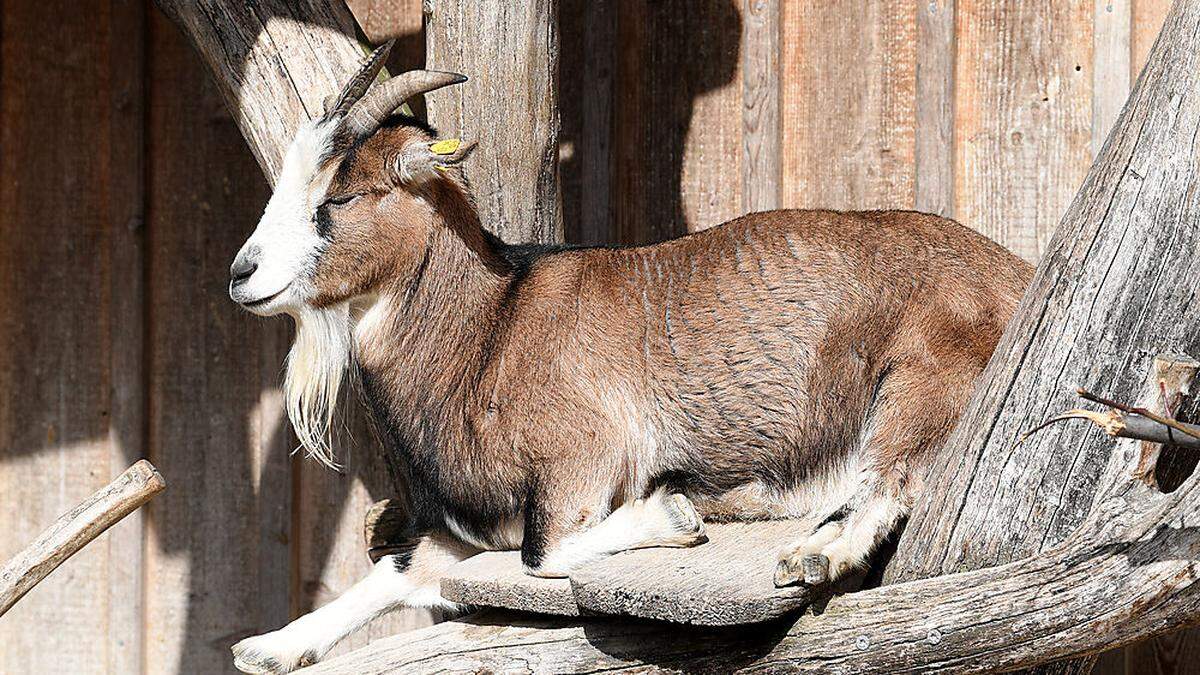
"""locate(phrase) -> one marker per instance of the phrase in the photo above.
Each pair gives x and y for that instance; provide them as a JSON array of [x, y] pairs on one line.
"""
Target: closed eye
[[342, 199]]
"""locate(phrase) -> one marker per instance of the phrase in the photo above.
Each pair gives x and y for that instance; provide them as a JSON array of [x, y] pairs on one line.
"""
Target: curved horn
[[362, 80], [381, 101]]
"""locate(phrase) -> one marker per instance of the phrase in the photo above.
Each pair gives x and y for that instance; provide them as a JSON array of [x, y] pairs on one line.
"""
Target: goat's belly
[[817, 497], [506, 535]]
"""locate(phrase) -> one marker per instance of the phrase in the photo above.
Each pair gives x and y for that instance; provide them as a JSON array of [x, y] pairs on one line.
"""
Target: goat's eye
[[343, 199]]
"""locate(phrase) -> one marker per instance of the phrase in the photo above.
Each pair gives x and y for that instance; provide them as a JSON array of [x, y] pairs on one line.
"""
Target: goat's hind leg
[[408, 578], [899, 437], [842, 543]]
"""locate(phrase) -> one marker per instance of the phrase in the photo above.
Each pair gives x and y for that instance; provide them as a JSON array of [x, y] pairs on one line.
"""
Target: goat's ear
[[422, 161]]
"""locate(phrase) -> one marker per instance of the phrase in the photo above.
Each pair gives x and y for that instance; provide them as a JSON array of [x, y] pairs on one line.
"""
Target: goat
[[577, 402]]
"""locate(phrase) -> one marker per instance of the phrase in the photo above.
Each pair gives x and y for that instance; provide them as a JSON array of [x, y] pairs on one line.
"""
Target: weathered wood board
[[69, 394], [723, 582], [218, 550], [848, 104], [497, 579]]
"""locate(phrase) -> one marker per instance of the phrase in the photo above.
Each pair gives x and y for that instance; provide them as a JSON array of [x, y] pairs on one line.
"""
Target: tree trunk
[[509, 106], [275, 61], [1116, 287]]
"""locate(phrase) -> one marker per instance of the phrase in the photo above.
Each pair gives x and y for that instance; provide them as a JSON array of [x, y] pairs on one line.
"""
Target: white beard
[[321, 355]]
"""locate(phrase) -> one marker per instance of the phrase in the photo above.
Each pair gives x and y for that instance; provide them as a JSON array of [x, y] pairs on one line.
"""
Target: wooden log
[[275, 61], [723, 582], [509, 106], [76, 528], [1115, 287], [1121, 577], [498, 579]]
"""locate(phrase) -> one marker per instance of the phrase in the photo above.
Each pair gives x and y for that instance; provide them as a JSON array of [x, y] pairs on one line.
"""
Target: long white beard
[[321, 355]]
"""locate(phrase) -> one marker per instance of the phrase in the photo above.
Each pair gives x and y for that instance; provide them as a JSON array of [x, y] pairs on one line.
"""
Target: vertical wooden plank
[[678, 131], [59, 193], [217, 554], [848, 104], [1110, 66], [1023, 116], [126, 205], [1147, 18], [329, 507], [761, 147], [934, 142], [1177, 653], [399, 20], [510, 106], [1111, 662], [587, 70]]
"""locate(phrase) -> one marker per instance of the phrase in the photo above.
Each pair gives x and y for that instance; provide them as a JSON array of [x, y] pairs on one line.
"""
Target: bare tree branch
[[76, 528]]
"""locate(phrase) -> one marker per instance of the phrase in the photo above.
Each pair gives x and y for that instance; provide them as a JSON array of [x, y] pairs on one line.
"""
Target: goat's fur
[[574, 402]]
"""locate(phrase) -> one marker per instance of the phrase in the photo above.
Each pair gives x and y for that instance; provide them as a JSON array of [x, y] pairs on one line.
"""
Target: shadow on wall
[[631, 72], [227, 528]]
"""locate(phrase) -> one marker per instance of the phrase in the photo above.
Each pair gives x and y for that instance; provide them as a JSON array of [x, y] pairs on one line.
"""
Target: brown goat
[[577, 402]]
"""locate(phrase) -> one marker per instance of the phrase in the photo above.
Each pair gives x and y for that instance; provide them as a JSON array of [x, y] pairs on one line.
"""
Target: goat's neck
[[423, 338]]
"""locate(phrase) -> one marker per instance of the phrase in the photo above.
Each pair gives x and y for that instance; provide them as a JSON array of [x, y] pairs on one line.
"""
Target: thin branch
[[1182, 428], [76, 528]]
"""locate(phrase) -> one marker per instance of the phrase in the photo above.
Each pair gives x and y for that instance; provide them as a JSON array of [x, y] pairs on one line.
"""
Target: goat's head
[[320, 240], [347, 214]]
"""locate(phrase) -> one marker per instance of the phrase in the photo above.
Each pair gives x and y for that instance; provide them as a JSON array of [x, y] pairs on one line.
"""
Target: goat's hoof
[[808, 569], [685, 520], [271, 654]]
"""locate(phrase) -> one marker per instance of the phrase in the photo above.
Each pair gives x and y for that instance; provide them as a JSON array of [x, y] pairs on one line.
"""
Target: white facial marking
[[285, 245]]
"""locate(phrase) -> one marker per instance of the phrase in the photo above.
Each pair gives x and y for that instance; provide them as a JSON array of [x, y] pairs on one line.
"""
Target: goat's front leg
[[558, 538], [408, 578]]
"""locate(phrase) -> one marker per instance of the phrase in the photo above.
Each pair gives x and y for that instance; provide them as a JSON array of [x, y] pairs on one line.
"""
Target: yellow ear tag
[[441, 167], [446, 147]]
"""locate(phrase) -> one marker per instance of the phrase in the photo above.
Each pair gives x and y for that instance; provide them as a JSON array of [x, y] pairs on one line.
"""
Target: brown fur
[[755, 352]]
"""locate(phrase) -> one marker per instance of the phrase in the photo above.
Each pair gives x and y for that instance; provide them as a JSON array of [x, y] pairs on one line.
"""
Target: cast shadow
[[631, 73]]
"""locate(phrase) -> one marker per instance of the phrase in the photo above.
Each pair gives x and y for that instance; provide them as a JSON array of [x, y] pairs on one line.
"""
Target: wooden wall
[[125, 190]]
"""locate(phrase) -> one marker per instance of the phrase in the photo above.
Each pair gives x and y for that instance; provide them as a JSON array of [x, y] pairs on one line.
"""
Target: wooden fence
[[125, 189]]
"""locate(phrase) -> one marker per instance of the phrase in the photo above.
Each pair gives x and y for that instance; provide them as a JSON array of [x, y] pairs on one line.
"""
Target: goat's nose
[[242, 269]]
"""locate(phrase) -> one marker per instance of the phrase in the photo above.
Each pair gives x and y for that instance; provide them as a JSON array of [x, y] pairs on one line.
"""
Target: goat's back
[[753, 352]]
